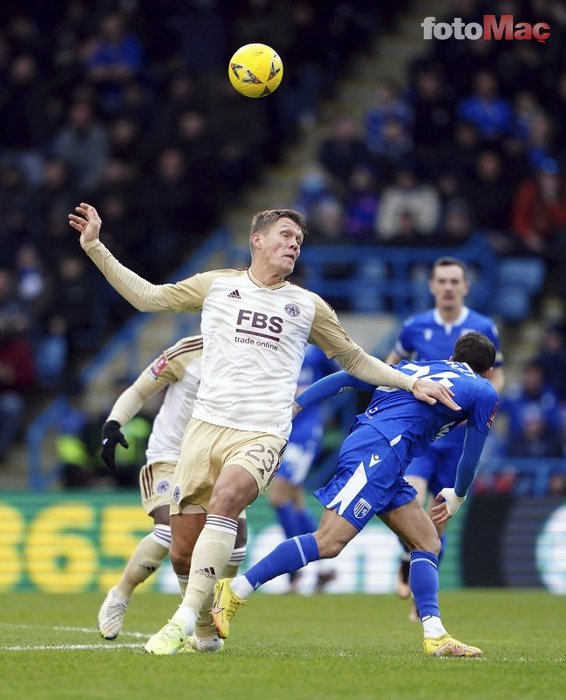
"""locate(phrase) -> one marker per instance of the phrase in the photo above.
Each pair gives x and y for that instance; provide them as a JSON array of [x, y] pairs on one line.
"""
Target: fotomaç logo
[[494, 28]]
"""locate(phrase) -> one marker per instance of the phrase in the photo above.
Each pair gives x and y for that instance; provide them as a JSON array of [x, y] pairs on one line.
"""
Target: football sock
[[287, 516], [288, 556], [212, 552], [423, 579], [183, 580], [145, 560]]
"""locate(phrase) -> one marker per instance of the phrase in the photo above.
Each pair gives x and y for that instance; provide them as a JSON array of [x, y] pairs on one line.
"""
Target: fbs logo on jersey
[[361, 509]]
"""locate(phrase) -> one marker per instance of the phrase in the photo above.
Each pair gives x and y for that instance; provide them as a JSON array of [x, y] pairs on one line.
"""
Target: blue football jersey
[[426, 336], [397, 415]]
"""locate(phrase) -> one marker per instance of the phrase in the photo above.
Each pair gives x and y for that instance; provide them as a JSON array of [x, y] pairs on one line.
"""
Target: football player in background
[[177, 371], [286, 492], [431, 335], [369, 481]]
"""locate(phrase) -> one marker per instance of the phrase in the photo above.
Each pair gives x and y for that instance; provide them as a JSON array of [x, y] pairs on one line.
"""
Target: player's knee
[[180, 555], [430, 543], [230, 499]]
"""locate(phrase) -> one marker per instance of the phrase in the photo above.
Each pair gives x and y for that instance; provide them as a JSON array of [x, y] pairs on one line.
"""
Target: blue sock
[[287, 557], [423, 579], [288, 520], [305, 521], [442, 548]]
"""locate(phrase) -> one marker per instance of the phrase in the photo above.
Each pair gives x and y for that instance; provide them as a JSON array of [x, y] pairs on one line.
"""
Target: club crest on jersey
[[162, 487], [292, 310], [361, 509], [176, 494], [427, 334], [158, 366]]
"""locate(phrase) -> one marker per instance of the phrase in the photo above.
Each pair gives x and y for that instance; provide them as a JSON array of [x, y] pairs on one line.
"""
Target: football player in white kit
[[255, 328], [177, 370]]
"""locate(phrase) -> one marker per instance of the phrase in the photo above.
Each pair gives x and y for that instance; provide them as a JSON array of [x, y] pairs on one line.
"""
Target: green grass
[[288, 647]]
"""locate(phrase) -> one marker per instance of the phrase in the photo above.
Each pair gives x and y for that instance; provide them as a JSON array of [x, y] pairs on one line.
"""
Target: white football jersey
[[164, 444], [254, 345]]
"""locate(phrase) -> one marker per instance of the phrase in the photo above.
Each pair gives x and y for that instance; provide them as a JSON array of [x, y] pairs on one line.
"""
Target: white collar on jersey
[[448, 326]]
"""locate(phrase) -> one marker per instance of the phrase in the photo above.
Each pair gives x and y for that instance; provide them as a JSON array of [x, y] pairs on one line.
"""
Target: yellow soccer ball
[[255, 70]]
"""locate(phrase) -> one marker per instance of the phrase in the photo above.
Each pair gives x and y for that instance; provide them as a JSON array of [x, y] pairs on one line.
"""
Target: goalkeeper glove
[[111, 436], [453, 502]]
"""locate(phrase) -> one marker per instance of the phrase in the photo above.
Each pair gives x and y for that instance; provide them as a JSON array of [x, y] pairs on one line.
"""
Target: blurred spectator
[[539, 218], [361, 206], [395, 146], [526, 109], [532, 394], [456, 227], [460, 151], [539, 144], [407, 196], [180, 97], [313, 189], [25, 119], [34, 284], [54, 193], [490, 113], [432, 104], [76, 461], [17, 370], [83, 144], [389, 105], [125, 139], [77, 289], [537, 438], [552, 358], [15, 201], [52, 353], [489, 192], [343, 151], [115, 59]]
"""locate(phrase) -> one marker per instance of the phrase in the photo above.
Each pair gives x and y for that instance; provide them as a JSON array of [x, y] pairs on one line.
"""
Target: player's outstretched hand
[[111, 436], [449, 503], [86, 222], [431, 392]]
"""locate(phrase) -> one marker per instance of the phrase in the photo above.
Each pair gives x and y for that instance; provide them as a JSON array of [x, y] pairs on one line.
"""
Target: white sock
[[241, 586], [433, 627]]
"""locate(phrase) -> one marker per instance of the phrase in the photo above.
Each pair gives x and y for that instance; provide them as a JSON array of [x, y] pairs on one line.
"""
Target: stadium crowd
[[127, 105]]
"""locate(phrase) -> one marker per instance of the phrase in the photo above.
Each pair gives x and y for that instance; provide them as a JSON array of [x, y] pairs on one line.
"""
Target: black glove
[[111, 436]]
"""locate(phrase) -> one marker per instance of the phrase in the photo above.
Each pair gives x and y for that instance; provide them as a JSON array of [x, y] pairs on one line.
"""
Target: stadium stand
[[167, 140]]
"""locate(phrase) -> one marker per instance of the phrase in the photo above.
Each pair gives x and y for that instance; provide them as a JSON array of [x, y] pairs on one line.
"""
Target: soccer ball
[[255, 70]]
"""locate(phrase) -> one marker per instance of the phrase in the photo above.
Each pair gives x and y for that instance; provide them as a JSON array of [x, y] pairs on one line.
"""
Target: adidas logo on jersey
[[234, 295]]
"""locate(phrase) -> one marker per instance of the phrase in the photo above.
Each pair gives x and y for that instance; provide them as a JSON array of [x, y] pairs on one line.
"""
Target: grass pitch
[[288, 647]]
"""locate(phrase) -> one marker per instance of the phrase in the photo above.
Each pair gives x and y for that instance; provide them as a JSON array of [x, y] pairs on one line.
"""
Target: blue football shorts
[[369, 478]]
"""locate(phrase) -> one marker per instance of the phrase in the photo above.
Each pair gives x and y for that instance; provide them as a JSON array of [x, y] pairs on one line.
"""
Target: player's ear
[[488, 373]]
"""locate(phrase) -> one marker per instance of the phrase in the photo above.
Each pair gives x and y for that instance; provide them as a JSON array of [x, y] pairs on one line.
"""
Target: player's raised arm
[[141, 294]]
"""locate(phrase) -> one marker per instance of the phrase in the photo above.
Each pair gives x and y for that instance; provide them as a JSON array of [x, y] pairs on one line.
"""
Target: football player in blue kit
[[286, 491], [394, 429], [431, 335]]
